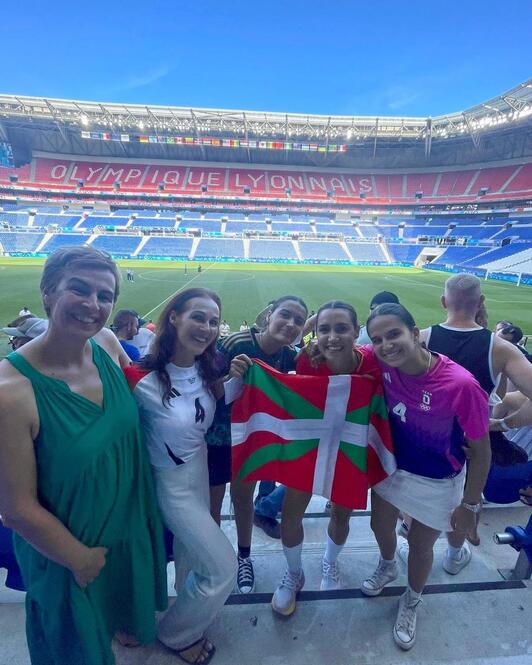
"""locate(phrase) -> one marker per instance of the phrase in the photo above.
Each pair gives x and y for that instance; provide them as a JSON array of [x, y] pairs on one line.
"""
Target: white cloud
[[146, 78]]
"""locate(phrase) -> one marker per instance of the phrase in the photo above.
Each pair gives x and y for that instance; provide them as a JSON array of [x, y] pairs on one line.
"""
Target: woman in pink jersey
[[436, 407], [176, 387], [336, 327]]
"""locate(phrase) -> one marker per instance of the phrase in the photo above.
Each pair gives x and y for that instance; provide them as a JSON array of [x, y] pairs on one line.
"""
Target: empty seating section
[[459, 255], [20, 242], [420, 182], [426, 231], [167, 246], [240, 227], [63, 221], [381, 230], [292, 227], [322, 251], [494, 254], [517, 262], [521, 232], [231, 248], [493, 179], [344, 229], [14, 218], [93, 221], [366, 252], [117, 245], [155, 222], [474, 232], [205, 225], [404, 253], [65, 240], [454, 183], [522, 180], [271, 249]]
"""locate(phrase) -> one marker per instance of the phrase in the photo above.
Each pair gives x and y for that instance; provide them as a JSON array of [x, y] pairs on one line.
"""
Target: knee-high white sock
[[293, 557], [332, 550]]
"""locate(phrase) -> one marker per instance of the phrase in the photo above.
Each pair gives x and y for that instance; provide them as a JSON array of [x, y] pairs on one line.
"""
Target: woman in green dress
[[75, 482]]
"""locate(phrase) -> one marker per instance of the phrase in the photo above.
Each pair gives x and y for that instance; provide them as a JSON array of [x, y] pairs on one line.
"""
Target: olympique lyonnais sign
[[214, 142], [193, 178]]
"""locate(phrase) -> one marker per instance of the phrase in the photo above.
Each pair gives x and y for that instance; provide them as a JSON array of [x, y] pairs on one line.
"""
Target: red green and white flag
[[327, 435]]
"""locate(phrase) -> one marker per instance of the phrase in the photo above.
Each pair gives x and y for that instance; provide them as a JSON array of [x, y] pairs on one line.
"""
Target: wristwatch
[[473, 507]]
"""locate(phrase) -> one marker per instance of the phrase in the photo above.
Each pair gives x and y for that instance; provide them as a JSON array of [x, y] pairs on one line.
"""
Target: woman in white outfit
[[175, 387]]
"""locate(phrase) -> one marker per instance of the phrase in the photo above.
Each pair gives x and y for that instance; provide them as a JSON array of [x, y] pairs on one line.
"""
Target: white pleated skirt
[[430, 501]]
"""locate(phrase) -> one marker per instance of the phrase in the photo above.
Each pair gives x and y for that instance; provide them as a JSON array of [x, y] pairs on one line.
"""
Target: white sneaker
[[330, 580], [403, 551], [284, 598], [454, 565], [404, 630], [385, 573]]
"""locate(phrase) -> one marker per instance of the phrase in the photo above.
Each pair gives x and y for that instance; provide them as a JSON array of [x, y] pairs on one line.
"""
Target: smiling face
[[393, 341], [285, 324], [336, 335], [82, 301], [196, 327]]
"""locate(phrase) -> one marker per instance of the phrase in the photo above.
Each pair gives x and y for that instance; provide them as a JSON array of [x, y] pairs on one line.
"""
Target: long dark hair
[[163, 346]]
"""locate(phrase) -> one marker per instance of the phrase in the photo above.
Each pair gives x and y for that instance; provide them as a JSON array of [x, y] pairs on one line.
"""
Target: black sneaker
[[269, 525], [245, 578]]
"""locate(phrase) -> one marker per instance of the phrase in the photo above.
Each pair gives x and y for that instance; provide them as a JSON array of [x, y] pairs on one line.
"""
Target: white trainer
[[404, 630], [284, 598], [384, 573], [330, 579], [454, 565]]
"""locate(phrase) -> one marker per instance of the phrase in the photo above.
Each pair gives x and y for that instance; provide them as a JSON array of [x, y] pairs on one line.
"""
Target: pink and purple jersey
[[431, 413]]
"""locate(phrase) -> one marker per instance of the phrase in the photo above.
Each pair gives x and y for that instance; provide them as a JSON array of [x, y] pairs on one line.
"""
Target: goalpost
[[505, 276]]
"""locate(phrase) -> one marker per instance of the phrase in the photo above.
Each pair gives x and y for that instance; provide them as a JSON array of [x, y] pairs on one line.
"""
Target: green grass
[[246, 288]]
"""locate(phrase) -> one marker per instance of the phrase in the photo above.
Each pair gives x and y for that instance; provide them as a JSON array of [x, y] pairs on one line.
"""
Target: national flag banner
[[253, 143], [215, 142], [305, 146], [322, 148], [96, 135], [244, 143], [189, 140], [170, 139], [342, 148], [153, 139], [144, 139], [288, 146], [124, 138], [262, 144], [326, 435], [226, 143], [332, 148]]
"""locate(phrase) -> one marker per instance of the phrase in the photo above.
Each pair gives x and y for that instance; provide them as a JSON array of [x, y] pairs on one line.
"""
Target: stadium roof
[[507, 113]]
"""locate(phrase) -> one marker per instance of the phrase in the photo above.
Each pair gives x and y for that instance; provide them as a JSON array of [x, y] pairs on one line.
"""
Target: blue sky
[[337, 57]]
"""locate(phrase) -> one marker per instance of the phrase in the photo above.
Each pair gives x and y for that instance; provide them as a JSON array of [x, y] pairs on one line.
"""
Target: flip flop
[[204, 656]]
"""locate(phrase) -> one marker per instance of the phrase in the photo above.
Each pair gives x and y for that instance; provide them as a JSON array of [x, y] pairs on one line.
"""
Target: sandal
[[205, 653]]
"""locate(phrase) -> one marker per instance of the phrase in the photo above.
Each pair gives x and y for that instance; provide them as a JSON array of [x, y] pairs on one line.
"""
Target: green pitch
[[246, 288]]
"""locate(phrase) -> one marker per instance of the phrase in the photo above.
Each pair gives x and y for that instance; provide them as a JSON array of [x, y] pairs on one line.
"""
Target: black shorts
[[219, 461]]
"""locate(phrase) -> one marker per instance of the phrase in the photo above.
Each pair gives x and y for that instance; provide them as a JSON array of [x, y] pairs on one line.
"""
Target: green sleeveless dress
[[94, 476]]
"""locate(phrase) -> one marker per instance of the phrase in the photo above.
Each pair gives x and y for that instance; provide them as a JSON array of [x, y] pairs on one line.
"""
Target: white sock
[[414, 595], [293, 557], [332, 550], [454, 552], [388, 562]]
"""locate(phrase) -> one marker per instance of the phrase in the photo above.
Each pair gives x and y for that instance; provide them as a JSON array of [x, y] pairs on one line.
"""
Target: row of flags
[[214, 142]]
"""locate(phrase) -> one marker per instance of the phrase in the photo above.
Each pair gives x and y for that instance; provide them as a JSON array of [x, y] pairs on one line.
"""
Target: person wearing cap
[[25, 312], [378, 299], [23, 329]]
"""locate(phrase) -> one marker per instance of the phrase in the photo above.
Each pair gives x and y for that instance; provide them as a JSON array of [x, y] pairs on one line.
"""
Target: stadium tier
[[214, 248], [512, 181], [14, 243]]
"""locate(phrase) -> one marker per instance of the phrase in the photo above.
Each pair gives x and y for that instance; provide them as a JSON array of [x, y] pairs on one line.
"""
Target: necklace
[[429, 363]]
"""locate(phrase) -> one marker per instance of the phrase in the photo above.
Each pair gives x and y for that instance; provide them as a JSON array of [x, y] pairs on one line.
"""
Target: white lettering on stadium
[[58, 172]]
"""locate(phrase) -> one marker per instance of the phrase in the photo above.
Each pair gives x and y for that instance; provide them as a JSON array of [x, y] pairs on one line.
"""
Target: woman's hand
[[526, 495], [239, 366], [90, 569], [313, 351], [465, 521]]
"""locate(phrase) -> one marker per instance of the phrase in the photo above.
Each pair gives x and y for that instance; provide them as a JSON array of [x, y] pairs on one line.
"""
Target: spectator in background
[[142, 338], [25, 312], [378, 299], [244, 326], [501, 324], [514, 335], [23, 329], [225, 329], [125, 327]]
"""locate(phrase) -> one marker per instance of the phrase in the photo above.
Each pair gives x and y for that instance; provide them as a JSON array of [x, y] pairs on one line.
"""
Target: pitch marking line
[[177, 291]]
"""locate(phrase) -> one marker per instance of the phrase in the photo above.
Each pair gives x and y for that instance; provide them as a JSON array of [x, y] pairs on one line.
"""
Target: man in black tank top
[[481, 352]]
